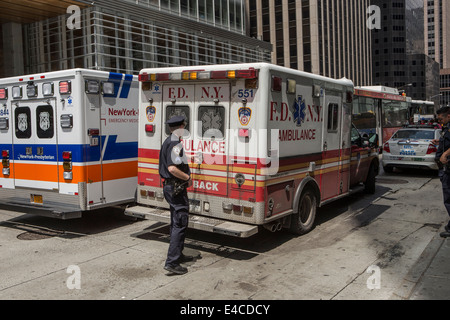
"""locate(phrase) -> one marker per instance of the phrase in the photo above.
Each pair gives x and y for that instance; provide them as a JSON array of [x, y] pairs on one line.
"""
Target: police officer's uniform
[[444, 170], [172, 153]]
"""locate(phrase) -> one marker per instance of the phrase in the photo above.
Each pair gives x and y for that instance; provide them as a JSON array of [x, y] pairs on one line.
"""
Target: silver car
[[411, 147]]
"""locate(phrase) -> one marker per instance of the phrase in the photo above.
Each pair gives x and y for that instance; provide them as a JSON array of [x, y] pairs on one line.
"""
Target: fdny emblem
[[245, 115], [299, 111], [151, 112]]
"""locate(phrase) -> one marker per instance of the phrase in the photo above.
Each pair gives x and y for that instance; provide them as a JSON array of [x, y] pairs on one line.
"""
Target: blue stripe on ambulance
[[116, 78], [80, 153], [126, 86]]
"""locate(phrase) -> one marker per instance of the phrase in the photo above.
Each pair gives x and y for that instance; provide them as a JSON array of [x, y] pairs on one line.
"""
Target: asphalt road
[[361, 248]]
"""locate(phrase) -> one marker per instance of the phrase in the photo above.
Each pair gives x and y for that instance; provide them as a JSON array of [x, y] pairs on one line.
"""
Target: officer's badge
[[150, 111], [245, 115]]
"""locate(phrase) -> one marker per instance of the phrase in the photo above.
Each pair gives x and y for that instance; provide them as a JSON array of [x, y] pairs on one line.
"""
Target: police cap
[[176, 121]]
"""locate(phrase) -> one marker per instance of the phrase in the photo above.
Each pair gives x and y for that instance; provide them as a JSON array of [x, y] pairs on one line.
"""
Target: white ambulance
[[68, 141], [266, 145]]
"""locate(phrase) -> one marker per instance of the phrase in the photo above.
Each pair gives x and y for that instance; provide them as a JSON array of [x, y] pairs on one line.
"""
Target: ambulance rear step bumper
[[235, 229], [59, 212]]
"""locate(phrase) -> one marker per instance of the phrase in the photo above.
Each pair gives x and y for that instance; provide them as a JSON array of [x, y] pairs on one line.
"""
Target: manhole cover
[[392, 181], [34, 235]]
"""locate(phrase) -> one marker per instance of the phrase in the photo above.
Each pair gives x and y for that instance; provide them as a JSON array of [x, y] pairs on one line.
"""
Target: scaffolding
[[121, 42]]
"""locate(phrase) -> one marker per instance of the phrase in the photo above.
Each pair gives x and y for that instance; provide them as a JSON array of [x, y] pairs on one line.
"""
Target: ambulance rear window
[[213, 121], [44, 122], [178, 111], [22, 118]]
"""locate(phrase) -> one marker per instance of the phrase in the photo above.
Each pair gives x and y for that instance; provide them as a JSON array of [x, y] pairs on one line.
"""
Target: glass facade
[[127, 42], [226, 14]]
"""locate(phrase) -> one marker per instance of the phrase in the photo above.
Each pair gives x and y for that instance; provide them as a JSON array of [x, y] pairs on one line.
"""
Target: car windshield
[[414, 134]]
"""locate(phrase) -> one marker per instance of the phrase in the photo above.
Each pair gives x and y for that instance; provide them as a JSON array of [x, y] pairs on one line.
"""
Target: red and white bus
[[381, 110]]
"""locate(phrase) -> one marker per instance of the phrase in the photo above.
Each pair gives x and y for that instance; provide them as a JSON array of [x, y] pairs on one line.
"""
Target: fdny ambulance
[[68, 141], [266, 145]]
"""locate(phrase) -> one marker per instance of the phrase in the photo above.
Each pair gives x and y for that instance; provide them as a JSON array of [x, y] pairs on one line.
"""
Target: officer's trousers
[[445, 180], [179, 216]]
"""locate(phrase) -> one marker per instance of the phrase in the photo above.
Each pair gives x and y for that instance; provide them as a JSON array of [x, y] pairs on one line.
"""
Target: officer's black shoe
[[447, 228], [445, 234], [177, 269]]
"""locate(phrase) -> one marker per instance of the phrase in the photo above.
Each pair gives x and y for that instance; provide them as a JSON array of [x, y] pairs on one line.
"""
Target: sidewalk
[[429, 278]]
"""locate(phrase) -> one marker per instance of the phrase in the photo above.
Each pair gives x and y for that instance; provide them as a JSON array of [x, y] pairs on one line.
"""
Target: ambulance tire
[[370, 184], [303, 221]]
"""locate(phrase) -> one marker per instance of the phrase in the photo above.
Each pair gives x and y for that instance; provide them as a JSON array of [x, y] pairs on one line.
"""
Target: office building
[[124, 35], [326, 37], [399, 58]]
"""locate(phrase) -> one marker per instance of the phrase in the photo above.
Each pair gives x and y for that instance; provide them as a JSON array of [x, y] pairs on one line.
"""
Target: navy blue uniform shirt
[[444, 142], [172, 153]]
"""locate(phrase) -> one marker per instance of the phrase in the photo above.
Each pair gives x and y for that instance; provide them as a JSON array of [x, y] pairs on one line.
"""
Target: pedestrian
[[176, 175], [442, 159]]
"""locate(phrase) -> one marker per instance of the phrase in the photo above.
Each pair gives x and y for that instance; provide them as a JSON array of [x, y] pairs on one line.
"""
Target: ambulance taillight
[[3, 93], [149, 128], [5, 162], [65, 87], [67, 165]]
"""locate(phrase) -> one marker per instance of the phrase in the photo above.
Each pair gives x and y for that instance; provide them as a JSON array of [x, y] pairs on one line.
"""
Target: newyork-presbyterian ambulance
[[266, 145], [68, 141]]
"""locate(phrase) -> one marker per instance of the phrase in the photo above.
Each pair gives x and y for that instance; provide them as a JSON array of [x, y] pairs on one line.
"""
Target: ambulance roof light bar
[[250, 73]]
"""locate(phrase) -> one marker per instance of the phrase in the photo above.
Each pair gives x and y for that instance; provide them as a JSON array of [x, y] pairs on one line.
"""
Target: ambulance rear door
[[35, 151], [212, 109]]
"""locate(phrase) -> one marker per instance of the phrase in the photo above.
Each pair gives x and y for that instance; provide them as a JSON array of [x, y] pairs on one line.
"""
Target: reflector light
[[143, 77], [276, 83], [219, 75], [5, 154], [17, 92], [3, 93], [67, 155], [65, 87], [31, 90], [107, 87], [67, 166], [47, 89], [92, 86], [66, 121], [237, 208], [93, 132], [4, 123], [163, 76], [246, 74], [150, 128]]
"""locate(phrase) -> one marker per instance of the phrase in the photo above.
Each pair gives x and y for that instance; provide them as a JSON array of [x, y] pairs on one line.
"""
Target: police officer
[[176, 175], [443, 160]]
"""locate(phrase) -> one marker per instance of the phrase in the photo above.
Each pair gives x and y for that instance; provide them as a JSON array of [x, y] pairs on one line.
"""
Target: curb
[[415, 274]]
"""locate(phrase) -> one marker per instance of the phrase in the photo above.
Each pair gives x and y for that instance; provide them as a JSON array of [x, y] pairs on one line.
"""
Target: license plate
[[36, 198], [418, 159]]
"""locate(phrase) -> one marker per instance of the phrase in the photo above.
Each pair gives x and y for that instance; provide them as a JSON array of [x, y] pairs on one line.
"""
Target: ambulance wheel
[[303, 221]]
